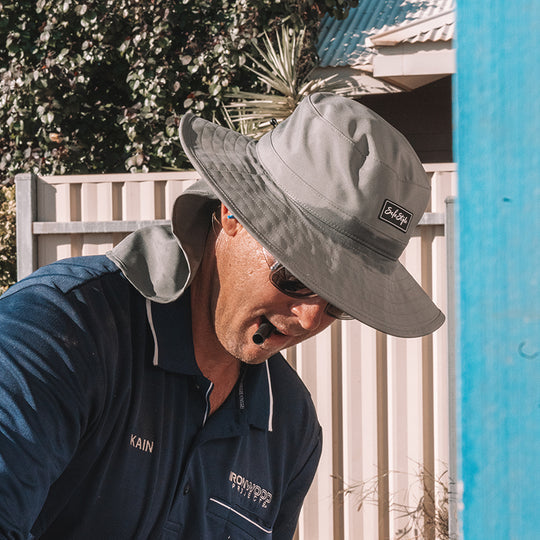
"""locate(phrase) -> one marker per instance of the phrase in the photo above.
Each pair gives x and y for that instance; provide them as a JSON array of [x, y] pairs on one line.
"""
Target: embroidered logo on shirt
[[141, 444], [396, 215], [250, 490]]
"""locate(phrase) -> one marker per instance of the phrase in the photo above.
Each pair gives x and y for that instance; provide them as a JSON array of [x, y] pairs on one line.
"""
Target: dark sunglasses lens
[[290, 285], [283, 280]]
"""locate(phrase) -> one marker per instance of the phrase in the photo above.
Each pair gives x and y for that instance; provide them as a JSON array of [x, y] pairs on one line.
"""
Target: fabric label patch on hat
[[396, 215]]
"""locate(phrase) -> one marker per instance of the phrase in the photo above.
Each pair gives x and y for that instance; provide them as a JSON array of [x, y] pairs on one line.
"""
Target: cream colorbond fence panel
[[66, 216], [394, 402], [359, 426], [383, 402]]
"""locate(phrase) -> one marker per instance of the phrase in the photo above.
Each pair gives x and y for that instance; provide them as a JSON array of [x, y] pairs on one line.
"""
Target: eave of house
[[359, 81], [378, 57], [415, 54]]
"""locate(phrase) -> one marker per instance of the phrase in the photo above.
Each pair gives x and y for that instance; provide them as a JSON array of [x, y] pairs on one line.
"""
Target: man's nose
[[310, 312]]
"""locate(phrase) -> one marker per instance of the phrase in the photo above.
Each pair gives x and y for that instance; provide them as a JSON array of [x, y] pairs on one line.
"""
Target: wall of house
[[423, 115]]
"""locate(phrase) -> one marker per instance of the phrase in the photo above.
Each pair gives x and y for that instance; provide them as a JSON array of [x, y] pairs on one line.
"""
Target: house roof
[[437, 28], [346, 43]]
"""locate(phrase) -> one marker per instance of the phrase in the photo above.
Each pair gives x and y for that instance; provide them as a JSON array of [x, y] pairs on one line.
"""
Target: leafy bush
[[8, 263], [279, 69], [100, 85], [90, 86]]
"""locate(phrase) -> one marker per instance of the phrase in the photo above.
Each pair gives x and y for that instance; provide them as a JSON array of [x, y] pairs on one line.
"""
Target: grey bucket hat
[[334, 193]]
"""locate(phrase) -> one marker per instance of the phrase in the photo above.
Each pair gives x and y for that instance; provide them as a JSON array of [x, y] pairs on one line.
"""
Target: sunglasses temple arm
[[263, 332]]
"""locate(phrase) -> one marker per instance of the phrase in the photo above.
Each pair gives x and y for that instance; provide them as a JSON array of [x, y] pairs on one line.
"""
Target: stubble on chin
[[244, 349]]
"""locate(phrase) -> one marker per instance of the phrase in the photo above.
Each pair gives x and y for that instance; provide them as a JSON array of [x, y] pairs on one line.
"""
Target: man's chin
[[254, 361], [254, 355], [247, 352]]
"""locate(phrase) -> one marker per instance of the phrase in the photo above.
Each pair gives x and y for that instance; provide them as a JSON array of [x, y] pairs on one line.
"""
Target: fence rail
[[383, 402]]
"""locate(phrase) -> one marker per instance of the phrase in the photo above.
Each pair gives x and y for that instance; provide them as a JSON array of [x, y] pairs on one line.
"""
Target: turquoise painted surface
[[497, 141]]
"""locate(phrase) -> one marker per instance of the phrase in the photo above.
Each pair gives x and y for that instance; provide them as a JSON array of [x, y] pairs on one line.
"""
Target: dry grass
[[427, 518]]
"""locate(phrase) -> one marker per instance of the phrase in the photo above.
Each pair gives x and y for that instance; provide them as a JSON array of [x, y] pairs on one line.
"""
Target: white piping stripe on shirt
[[267, 531], [151, 323], [207, 403], [156, 358], [270, 398]]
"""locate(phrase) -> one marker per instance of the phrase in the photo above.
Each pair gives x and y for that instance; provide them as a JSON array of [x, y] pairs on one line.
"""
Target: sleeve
[[287, 519], [47, 357]]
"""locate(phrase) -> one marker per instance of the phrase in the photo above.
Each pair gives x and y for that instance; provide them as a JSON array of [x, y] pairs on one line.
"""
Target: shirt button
[[187, 488]]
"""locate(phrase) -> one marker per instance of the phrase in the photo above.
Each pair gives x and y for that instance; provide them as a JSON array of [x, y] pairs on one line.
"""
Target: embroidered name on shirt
[[250, 490], [395, 215], [141, 444]]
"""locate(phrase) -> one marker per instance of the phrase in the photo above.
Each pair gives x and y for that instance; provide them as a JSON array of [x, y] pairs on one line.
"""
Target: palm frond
[[276, 67]]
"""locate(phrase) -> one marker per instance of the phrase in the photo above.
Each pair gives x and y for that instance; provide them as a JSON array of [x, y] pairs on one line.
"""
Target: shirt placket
[[228, 425]]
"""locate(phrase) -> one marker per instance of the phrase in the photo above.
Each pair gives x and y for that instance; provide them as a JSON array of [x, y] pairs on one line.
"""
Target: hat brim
[[376, 290]]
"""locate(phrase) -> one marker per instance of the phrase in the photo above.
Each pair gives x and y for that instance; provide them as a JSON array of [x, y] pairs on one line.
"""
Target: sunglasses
[[286, 283]]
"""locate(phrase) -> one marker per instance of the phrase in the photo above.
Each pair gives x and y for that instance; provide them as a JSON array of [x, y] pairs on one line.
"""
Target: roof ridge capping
[[402, 32]]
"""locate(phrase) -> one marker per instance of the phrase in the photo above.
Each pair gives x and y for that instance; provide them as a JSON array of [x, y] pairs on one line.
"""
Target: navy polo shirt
[[105, 429]]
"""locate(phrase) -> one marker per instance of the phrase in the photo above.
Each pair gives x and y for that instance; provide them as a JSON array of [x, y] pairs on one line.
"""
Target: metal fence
[[383, 402]]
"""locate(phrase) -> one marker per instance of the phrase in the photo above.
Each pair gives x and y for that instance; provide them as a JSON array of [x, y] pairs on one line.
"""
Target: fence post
[[451, 312], [25, 198]]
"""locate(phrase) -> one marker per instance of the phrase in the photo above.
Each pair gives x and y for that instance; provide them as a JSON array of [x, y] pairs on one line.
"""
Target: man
[[143, 394]]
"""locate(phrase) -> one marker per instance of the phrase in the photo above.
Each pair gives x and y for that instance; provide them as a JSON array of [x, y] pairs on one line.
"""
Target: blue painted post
[[497, 136]]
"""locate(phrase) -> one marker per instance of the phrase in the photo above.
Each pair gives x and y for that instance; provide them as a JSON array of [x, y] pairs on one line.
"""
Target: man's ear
[[228, 222]]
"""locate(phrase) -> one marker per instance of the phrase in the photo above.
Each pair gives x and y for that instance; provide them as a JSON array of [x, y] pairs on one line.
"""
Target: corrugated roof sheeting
[[443, 33], [436, 28], [342, 43]]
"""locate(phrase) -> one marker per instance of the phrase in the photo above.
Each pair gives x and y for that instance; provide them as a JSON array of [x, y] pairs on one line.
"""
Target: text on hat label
[[395, 215]]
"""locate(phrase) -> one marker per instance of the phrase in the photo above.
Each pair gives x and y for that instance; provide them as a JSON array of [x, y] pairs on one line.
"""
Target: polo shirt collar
[[173, 341], [252, 397], [255, 387]]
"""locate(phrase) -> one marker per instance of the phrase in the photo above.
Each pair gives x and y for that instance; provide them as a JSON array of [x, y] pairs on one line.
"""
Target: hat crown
[[340, 162], [334, 193]]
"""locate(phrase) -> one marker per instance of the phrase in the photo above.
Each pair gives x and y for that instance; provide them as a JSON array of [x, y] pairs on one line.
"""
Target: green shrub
[[100, 85], [91, 86], [8, 262]]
